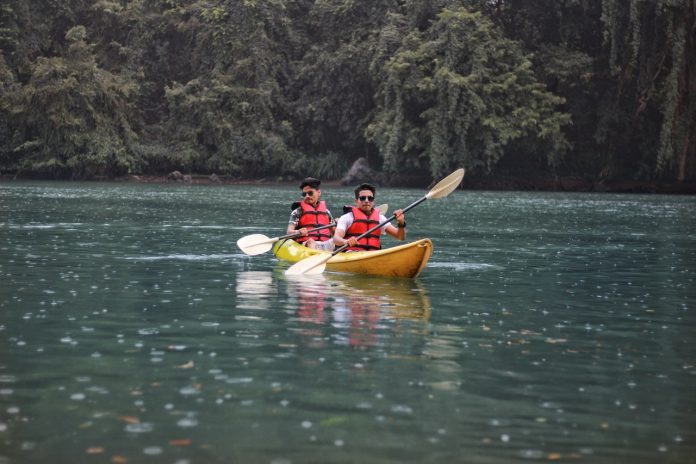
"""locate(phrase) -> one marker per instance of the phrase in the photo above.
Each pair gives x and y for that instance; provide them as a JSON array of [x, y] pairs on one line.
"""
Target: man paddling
[[362, 217], [309, 214]]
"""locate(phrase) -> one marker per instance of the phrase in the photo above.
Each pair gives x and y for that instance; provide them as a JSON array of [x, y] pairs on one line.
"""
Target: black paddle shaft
[[411, 206], [296, 233]]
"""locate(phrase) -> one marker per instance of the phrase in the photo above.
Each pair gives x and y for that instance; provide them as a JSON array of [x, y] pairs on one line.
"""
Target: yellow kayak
[[400, 261]]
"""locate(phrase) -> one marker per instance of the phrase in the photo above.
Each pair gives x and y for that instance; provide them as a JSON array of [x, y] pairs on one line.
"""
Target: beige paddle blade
[[383, 208], [255, 244], [446, 185], [309, 266]]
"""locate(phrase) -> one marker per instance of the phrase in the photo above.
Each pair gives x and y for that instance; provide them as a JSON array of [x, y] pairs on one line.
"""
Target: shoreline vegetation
[[487, 183], [573, 96]]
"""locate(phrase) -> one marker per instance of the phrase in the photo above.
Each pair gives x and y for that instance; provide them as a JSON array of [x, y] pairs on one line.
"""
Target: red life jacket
[[311, 218], [361, 224]]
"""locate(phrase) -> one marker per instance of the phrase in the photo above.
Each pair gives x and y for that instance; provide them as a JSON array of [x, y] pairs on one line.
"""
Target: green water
[[546, 327]]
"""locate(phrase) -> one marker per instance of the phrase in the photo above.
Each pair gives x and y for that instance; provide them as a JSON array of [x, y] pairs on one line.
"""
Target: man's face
[[310, 195], [365, 200]]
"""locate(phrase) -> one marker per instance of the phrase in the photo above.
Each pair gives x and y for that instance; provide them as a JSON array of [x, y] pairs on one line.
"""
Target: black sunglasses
[[366, 197], [309, 192]]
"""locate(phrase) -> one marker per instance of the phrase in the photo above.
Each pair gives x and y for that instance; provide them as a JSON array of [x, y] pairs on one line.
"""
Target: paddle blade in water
[[255, 244], [310, 266]]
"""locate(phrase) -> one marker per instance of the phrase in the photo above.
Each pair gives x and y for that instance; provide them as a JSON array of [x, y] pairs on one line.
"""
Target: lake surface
[[546, 327]]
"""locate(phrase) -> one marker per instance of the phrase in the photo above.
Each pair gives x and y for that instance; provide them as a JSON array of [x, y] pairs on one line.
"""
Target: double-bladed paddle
[[255, 244], [317, 263]]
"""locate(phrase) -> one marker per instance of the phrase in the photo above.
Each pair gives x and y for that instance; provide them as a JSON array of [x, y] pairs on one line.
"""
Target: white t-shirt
[[345, 221]]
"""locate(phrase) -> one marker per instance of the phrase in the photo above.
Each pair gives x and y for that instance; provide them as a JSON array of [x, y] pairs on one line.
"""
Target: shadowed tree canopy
[[285, 88], [459, 94]]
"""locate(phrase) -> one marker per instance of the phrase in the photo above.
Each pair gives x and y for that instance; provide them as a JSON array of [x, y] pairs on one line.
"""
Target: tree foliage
[[287, 88], [459, 94], [72, 118]]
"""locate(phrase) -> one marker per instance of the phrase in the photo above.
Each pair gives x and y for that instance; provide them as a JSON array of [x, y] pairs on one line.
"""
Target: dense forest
[[600, 90]]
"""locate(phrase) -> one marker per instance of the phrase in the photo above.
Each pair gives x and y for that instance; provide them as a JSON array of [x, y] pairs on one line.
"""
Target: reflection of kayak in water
[[400, 261], [392, 298]]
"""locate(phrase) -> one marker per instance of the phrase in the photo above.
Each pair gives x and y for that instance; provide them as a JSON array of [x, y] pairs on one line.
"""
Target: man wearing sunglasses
[[309, 214], [361, 218]]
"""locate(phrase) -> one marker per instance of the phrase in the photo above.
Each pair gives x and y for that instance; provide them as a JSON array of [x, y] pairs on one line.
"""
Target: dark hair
[[364, 186], [311, 182]]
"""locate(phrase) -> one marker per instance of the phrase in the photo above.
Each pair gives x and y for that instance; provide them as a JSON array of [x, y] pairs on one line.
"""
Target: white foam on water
[[69, 225], [183, 257], [462, 266]]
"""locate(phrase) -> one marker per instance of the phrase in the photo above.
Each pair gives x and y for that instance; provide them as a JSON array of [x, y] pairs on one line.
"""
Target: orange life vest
[[361, 224], [311, 218]]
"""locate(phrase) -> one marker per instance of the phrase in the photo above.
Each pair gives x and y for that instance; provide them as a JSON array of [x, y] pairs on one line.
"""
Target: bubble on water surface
[[3, 427], [28, 446], [140, 427], [149, 331], [97, 389], [190, 390], [78, 396], [152, 451], [532, 454], [306, 424], [240, 380], [187, 422], [402, 409]]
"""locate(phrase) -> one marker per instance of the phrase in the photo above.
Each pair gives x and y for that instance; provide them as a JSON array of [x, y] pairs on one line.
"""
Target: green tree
[[459, 93], [221, 104], [73, 118], [652, 59], [332, 87]]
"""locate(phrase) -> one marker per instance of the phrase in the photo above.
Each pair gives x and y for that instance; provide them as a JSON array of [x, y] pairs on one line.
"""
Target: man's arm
[[342, 225], [294, 222], [398, 232]]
